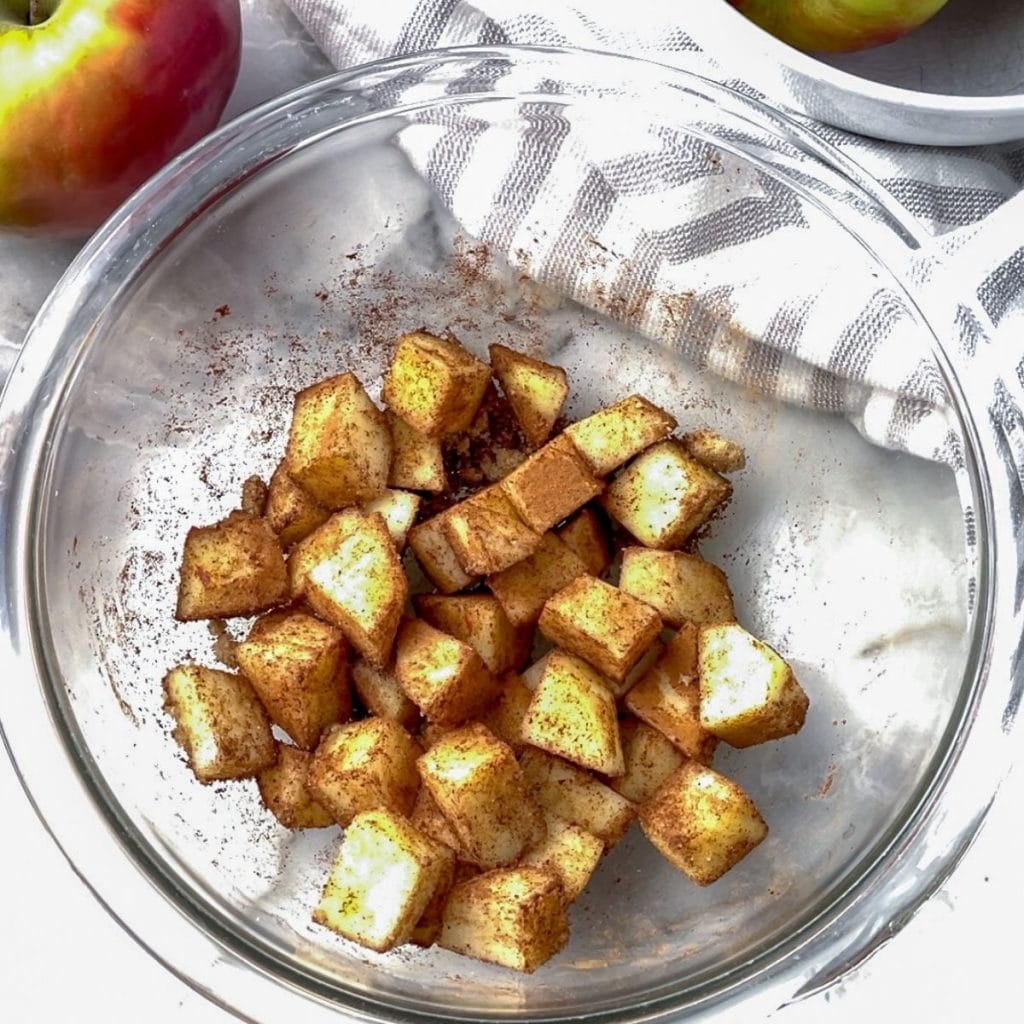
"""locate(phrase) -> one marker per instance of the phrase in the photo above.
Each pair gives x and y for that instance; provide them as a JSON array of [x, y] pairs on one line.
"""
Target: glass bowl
[[301, 240]]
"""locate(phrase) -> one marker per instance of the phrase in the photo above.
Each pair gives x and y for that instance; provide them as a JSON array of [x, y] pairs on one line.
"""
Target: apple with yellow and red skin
[[96, 95], [838, 26]]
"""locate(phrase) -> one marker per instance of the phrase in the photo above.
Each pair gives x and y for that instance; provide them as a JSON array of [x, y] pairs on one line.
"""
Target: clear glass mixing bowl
[[300, 240]]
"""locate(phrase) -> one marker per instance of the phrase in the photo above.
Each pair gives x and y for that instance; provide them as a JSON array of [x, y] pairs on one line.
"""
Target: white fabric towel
[[849, 348]]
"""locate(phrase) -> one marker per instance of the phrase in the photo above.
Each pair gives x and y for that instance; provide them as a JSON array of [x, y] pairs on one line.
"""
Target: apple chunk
[[385, 875], [703, 823], [360, 585], [536, 391], [339, 445], [748, 694], [480, 789], [235, 567], [434, 384], [296, 663]]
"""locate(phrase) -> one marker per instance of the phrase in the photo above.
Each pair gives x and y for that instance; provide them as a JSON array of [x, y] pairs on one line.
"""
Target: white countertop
[[63, 957]]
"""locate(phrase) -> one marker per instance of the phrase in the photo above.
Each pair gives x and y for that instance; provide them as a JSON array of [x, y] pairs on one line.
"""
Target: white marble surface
[[62, 956]]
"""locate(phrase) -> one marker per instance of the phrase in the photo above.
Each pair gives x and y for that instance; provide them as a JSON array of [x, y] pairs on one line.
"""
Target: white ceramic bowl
[[958, 80]]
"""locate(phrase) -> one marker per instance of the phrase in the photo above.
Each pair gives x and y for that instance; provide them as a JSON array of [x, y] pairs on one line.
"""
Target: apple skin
[[838, 26], [101, 94]]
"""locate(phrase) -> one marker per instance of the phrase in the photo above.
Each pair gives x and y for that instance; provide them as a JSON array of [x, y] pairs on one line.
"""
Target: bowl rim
[[34, 379]]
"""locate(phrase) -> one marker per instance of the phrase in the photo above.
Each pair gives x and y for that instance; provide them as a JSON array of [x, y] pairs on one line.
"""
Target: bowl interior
[[847, 557], [965, 50]]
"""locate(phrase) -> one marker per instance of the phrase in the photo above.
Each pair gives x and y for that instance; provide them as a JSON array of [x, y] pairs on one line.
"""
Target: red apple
[[838, 26], [95, 95]]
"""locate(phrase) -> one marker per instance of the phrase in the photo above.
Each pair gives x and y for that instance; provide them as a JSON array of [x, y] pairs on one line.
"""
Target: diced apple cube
[[550, 485], [292, 513], [361, 586], [382, 694], [681, 587], [534, 672], [665, 496], [442, 675], [219, 723], [748, 694], [428, 927], [431, 733], [417, 463], [430, 544], [667, 697], [296, 663], [486, 533], [429, 819], [398, 509], [284, 792], [505, 717], [362, 766], [650, 758], [477, 783], [435, 385], [524, 588], [514, 917], [569, 851], [536, 391], [600, 624], [573, 714], [235, 567], [315, 547], [585, 535], [385, 875], [702, 823], [572, 793], [613, 435], [478, 620], [339, 445]]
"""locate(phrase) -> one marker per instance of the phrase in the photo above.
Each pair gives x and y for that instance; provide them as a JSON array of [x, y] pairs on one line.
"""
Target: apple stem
[[40, 10]]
